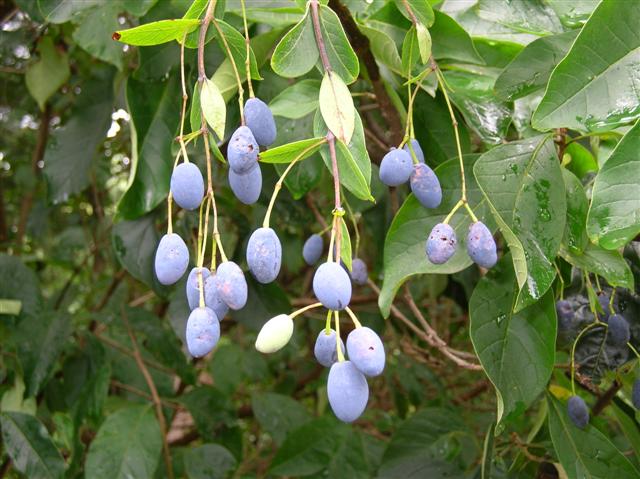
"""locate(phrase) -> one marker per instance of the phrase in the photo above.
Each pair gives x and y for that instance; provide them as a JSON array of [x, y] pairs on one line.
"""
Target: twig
[[142, 394], [124, 350], [312, 206], [604, 400]]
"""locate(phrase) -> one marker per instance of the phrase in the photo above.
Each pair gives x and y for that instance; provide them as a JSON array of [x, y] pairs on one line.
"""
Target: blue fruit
[[618, 333], [578, 411], [565, 313], [441, 244], [259, 119], [366, 351], [348, 391], [396, 167], [359, 274], [193, 288], [426, 186], [246, 186], [187, 186], [230, 284], [312, 249], [212, 298], [481, 246], [242, 151], [325, 349], [332, 286], [203, 332], [264, 255], [635, 394], [603, 299], [416, 149], [172, 258]]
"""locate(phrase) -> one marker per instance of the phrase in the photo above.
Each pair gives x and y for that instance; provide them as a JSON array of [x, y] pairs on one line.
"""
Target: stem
[[354, 221], [453, 211], [330, 255], [573, 352], [208, 16], [185, 97], [354, 318], [169, 214], [248, 44], [315, 17], [327, 326], [635, 351], [338, 346], [304, 310]]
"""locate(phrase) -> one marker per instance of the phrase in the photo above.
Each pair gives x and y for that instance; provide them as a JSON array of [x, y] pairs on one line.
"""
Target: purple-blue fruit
[[366, 351], [359, 274], [619, 333], [172, 259], [396, 167], [312, 249], [230, 284], [332, 286], [603, 299], [426, 186], [187, 186], [212, 298], [565, 313], [441, 244], [203, 332], [325, 349], [246, 186], [348, 391], [416, 149], [260, 121], [242, 151], [264, 255], [635, 394], [193, 286], [481, 246], [578, 411]]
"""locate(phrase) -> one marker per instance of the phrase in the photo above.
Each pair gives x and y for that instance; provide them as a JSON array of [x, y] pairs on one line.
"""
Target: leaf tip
[[116, 36]]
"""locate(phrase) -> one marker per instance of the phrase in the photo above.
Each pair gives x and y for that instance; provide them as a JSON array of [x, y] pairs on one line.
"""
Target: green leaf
[[383, 48], [297, 101], [236, 42], [298, 150], [410, 52], [516, 350], [487, 452], [61, 11], [342, 58], [522, 182], [404, 245], [213, 107], [530, 16], [595, 87], [573, 14], [264, 301], [608, 264], [10, 306], [581, 160], [208, 461], [94, 32], [30, 447], [424, 42], [451, 41], [128, 444], [50, 72], [210, 408], [345, 244], [614, 216], [155, 113], [585, 453], [72, 148], [575, 234], [531, 69], [155, 33], [297, 52], [278, 414], [24, 286], [336, 106], [420, 10]]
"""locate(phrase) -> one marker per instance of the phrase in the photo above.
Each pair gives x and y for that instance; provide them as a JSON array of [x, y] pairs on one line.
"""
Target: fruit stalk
[[248, 45]]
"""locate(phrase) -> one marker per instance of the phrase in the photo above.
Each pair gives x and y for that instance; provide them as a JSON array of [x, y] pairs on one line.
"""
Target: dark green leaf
[[573, 14], [297, 101], [155, 33], [487, 452], [530, 16], [451, 41], [210, 408], [208, 461], [342, 58], [410, 52], [94, 32], [61, 11], [345, 244], [265, 301], [297, 52], [420, 10], [297, 150], [575, 233], [23, 287], [278, 414], [608, 264], [236, 42], [384, 48]]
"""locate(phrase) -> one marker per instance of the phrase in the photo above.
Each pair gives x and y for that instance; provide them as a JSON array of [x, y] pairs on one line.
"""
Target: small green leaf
[[10, 306], [424, 42], [345, 244], [451, 41], [342, 58], [336, 106], [410, 52], [383, 47], [297, 101], [605, 263], [208, 461], [291, 151], [417, 9], [297, 52], [213, 107], [50, 72], [155, 33], [575, 234], [278, 414]]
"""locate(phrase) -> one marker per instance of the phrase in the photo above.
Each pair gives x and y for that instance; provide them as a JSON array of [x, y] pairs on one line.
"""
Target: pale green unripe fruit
[[275, 334]]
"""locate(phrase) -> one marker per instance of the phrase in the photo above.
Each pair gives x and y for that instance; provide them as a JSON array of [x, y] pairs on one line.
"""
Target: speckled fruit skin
[[231, 285], [312, 249], [260, 121], [417, 149], [246, 186], [366, 351], [242, 150], [332, 286], [441, 244], [348, 391], [359, 273], [325, 349], [193, 289], [396, 167], [481, 246], [426, 186], [203, 332], [187, 186], [212, 298], [264, 255], [578, 411], [172, 259]]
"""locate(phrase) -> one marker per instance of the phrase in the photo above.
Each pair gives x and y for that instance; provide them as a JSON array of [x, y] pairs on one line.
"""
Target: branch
[[604, 400]]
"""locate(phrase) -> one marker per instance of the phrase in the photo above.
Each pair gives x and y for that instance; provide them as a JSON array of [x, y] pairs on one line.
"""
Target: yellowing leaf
[[49, 73], [213, 107], [336, 106], [424, 42]]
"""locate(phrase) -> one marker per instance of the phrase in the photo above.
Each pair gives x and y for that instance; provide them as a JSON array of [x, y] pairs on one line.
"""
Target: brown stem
[[315, 18], [604, 400], [208, 16], [142, 394], [154, 395], [314, 209]]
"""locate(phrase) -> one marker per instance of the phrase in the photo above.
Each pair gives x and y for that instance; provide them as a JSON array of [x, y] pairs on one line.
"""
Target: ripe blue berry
[[230, 284], [618, 333], [603, 299], [396, 167], [417, 149], [312, 249], [635, 394], [259, 119], [578, 411], [426, 186], [242, 151], [348, 391], [246, 186], [359, 274], [264, 255], [366, 351], [212, 298], [565, 313], [172, 258], [193, 287], [481, 246], [441, 244], [203, 332], [187, 186], [325, 349], [332, 286]]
